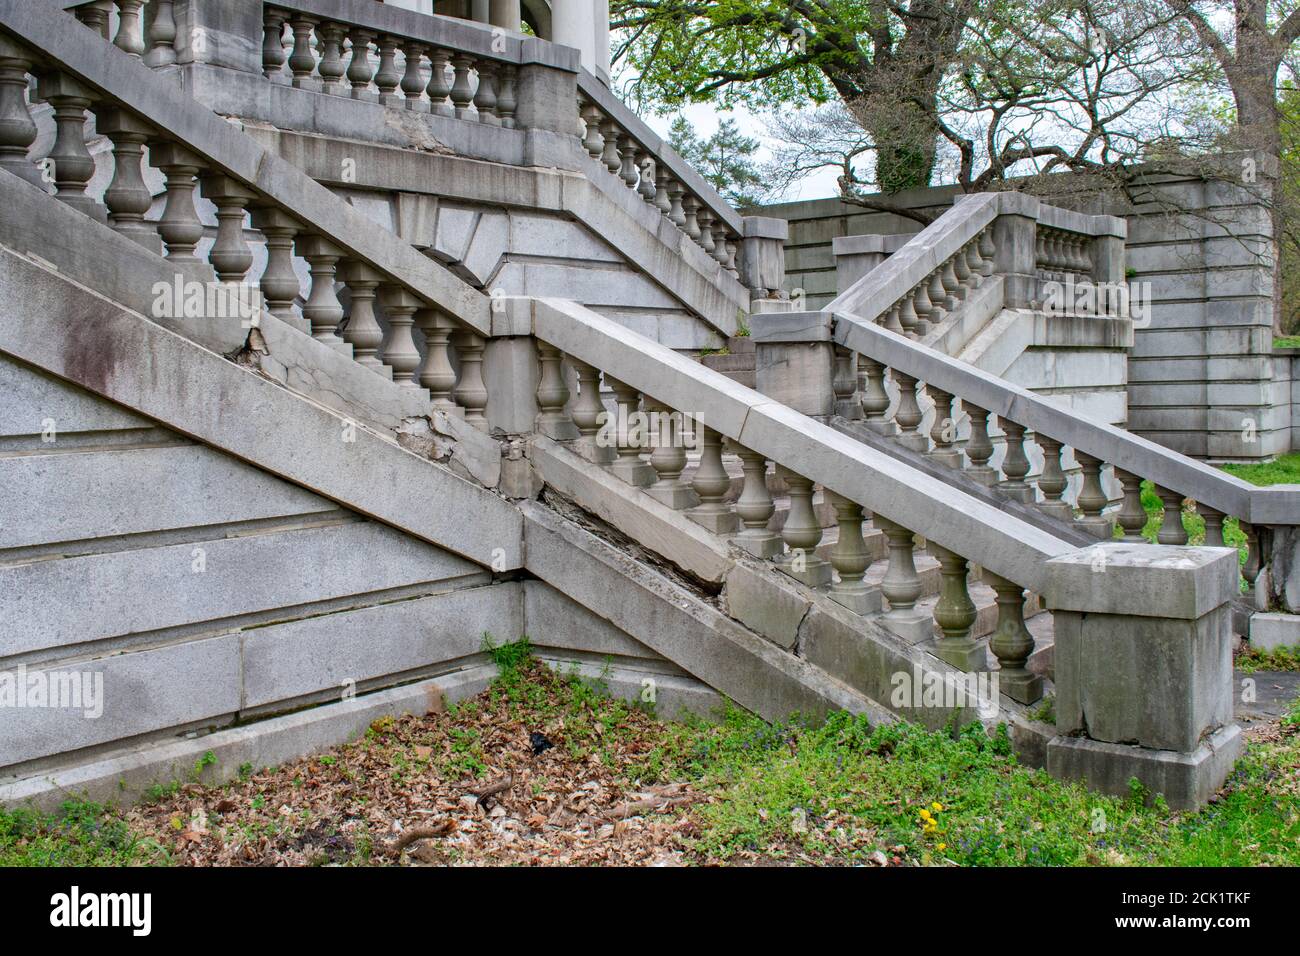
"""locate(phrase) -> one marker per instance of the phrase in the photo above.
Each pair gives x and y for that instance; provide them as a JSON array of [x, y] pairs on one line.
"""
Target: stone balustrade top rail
[[600, 96], [477, 39], [1279, 505], [125, 80]]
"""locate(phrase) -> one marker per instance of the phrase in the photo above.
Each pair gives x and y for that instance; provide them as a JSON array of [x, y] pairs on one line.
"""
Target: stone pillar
[[600, 40], [1014, 232], [794, 360], [855, 256], [762, 256], [546, 89], [1143, 663], [574, 24], [225, 33], [505, 14], [512, 373]]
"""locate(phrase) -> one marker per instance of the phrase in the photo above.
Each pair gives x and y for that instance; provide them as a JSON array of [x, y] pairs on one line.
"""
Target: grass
[[1284, 471], [1287, 342], [842, 792], [1278, 659]]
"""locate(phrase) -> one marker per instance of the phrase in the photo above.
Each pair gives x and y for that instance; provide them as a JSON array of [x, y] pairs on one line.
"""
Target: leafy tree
[[725, 159], [884, 60]]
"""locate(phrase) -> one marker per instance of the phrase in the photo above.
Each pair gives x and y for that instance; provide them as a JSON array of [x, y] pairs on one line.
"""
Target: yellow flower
[[942, 847], [938, 807], [925, 814]]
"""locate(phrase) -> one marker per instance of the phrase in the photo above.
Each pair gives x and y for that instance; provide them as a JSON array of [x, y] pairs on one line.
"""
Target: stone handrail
[[613, 134]]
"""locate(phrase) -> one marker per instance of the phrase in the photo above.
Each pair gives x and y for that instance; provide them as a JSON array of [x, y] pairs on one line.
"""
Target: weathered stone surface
[[1268, 632], [1142, 580], [763, 602]]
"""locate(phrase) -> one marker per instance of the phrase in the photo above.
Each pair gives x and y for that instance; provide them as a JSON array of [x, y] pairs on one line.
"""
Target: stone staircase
[[797, 543]]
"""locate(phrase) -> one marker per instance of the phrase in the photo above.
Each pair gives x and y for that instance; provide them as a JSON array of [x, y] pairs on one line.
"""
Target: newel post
[[762, 258], [1143, 663]]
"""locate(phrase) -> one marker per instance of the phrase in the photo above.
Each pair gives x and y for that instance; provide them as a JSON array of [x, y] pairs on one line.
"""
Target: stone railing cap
[[1142, 580], [764, 227]]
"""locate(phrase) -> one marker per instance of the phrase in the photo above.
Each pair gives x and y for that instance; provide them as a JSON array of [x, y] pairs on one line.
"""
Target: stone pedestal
[[1144, 668], [794, 361]]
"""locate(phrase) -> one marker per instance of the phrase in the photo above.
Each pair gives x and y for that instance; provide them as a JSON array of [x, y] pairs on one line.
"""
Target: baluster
[[180, 226], [610, 155], [302, 59], [721, 254], [668, 458], [230, 254], [731, 266], [979, 447], [844, 384], [1052, 482], [360, 70], [161, 34], [962, 271], [938, 304], [273, 58], [127, 197], [951, 285], [398, 350], [387, 77], [1015, 464], [1213, 526], [439, 88], [627, 162], [1132, 516], [412, 82], [1092, 499], [755, 507], [332, 67], [954, 612], [17, 129], [279, 285], [676, 211], [893, 317], [630, 430], [901, 585], [943, 430], [802, 532], [1254, 557], [362, 330], [594, 143], [73, 164], [1012, 643], [908, 414], [663, 201], [553, 395], [850, 559], [646, 176], [691, 206], [506, 97], [909, 311], [711, 484], [322, 308], [923, 308], [589, 415], [130, 30], [96, 16], [471, 393], [437, 373], [987, 251], [462, 93], [1171, 525], [875, 399], [705, 220], [485, 97], [974, 264]]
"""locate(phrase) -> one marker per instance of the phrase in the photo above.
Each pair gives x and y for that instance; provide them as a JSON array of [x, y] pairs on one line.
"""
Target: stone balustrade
[[385, 311], [616, 137], [901, 383]]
